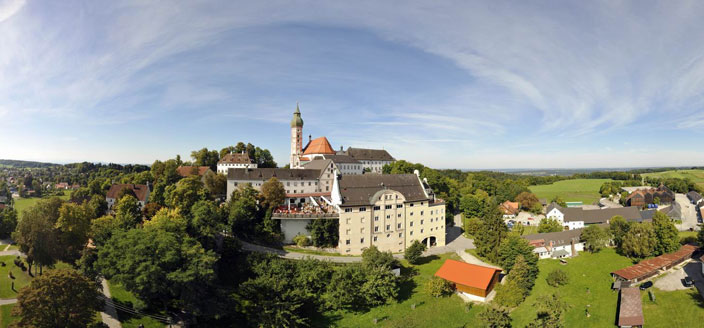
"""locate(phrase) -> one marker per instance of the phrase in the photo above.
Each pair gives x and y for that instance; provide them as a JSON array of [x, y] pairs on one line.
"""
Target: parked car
[[646, 285], [688, 282]]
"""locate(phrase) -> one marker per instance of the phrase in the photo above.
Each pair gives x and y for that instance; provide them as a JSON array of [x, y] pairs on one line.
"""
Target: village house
[[643, 197], [556, 244], [235, 161], [694, 197], [576, 217], [187, 171], [509, 209], [141, 192]]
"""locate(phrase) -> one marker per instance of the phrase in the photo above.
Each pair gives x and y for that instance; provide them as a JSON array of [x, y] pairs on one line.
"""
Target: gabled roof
[[694, 196], [560, 238], [141, 191], [318, 164], [467, 274], [369, 154], [187, 171], [597, 216], [630, 311], [359, 189], [318, 146], [342, 159], [509, 207], [263, 174], [646, 267], [237, 158]]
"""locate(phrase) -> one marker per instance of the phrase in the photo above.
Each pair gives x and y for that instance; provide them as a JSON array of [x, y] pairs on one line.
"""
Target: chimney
[[340, 147], [310, 138]]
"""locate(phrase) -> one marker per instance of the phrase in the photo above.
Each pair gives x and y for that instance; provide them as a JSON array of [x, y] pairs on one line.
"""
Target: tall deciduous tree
[[73, 228], [205, 157], [618, 226], [495, 317], [527, 200], [8, 222], [594, 238], [59, 298], [640, 240], [666, 233], [185, 193], [511, 248], [215, 183], [549, 225], [272, 193], [127, 212], [243, 210]]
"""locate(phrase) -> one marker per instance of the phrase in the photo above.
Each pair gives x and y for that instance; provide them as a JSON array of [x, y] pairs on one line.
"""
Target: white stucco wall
[[294, 227]]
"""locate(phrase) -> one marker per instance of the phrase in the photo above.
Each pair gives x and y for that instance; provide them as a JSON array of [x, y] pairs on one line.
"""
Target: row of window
[[295, 183]]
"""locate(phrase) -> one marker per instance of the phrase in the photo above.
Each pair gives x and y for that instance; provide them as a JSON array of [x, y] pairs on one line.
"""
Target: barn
[[475, 281]]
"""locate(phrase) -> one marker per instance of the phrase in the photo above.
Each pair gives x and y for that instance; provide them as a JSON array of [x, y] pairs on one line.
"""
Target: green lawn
[[584, 190], [586, 272], [124, 297], [429, 312], [682, 308], [6, 317], [21, 277], [697, 176], [23, 203]]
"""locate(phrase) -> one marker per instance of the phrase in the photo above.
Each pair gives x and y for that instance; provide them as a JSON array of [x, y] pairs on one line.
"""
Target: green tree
[[550, 309], [35, 234], [700, 236], [594, 238], [414, 252], [492, 232], [102, 228], [185, 193], [97, 206], [346, 280], [177, 276], [524, 272], [557, 278], [495, 317], [243, 210], [527, 200], [205, 157], [666, 234], [8, 222], [73, 228], [373, 258], [438, 287], [509, 294], [475, 205], [380, 287], [324, 232], [215, 183], [640, 240], [150, 209], [127, 212], [272, 193], [60, 298], [206, 220], [549, 225], [511, 248], [472, 226], [618, 226]]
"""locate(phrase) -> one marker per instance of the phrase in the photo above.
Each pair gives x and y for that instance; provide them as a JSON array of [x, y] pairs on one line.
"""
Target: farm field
[[584, 190], [696, 176]]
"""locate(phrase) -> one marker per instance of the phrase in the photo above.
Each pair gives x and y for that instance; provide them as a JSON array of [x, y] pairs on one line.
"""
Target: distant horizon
[[507, 170]]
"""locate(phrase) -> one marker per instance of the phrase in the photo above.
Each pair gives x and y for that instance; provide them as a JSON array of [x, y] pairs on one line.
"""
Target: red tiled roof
[[631, 308], [467, 274], [318, 146], [187, 171], [139, 190], [509, 207], [647, 267]]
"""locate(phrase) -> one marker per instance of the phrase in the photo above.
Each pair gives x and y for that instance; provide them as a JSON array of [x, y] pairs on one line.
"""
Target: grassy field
[[589, 284], [122, 296], [429, 312], [682, 308], [6, 317], [21, 277], [697, 176], [584, 190], [23, 203]]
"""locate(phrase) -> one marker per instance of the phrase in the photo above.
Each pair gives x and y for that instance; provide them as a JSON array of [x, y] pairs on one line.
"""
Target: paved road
[[13, 253], [694, 271], [109, 314], [689, 213]]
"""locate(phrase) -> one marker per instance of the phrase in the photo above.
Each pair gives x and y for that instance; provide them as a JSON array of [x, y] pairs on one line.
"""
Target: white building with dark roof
[[235, 161]]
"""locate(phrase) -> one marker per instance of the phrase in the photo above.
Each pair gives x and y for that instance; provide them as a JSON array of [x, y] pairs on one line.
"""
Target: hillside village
[[343, 205]]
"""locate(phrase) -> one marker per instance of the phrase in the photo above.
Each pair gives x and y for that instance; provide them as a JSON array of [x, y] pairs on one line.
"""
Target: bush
[[301, 240], [438, 287], [414, 252], [557, 278], [472, 225], [509, 294]]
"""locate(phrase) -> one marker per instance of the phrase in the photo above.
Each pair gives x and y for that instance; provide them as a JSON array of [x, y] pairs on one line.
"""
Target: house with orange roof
[[510, 209], [474, 281], [187, 171]]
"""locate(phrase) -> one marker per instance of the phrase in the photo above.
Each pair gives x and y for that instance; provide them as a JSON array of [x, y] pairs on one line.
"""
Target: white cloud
[[9, 8]]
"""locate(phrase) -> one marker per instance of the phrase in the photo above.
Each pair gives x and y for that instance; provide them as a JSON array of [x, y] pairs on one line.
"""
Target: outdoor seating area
[[306, 209]]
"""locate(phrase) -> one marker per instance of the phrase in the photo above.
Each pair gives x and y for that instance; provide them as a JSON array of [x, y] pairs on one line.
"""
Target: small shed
[[630, 308], [469, 278]]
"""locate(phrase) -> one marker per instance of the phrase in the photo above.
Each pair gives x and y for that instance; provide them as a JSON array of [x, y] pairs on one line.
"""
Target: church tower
[[296, 139]]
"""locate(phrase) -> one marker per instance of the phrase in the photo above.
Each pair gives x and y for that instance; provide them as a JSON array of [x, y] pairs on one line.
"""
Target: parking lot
[[527, 218], [673, 280], [689, 213]]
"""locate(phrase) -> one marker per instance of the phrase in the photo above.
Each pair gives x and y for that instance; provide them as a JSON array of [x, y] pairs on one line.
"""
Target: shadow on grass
[[325, 320], [406, 288], [427, 259]]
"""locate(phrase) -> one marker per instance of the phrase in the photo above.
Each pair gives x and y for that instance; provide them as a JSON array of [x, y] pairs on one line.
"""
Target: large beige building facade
[[387, 211]]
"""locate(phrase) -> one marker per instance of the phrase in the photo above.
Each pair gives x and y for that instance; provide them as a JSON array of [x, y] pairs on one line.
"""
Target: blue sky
[[466, 84]]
